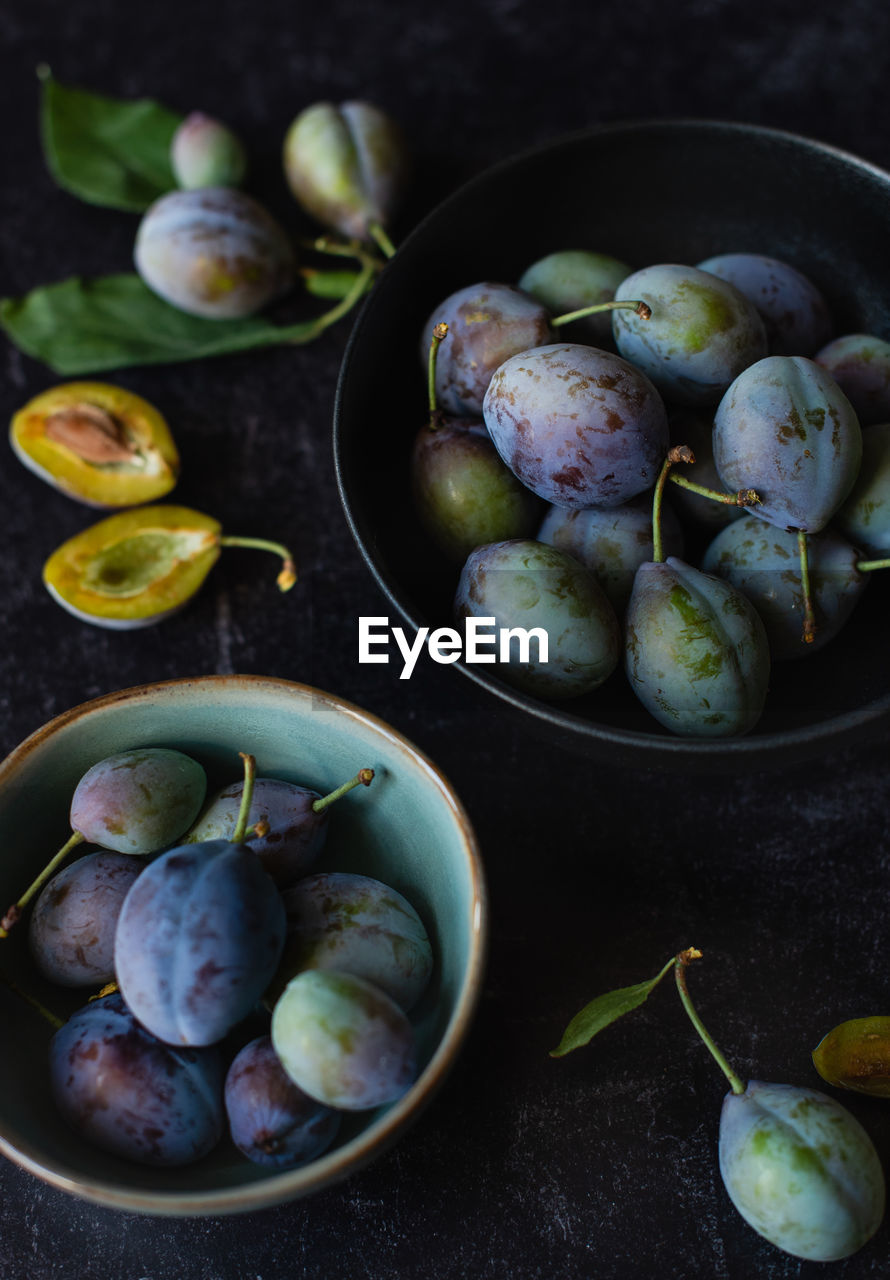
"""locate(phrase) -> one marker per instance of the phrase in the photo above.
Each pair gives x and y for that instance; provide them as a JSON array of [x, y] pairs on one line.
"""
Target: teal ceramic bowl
[[408, 829]]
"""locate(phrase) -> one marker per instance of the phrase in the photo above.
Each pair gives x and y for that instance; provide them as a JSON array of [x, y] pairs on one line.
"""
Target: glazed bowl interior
[[408, 830], [649, 192]]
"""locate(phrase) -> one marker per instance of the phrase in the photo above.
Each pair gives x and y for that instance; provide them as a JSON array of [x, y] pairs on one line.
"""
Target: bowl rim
[[353, 1155], [621, 746]]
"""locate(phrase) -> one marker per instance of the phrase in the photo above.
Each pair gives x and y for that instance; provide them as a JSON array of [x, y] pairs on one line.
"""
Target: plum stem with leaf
[[363, 778]]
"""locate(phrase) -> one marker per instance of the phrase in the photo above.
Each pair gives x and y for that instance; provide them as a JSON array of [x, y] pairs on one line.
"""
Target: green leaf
[[104, 150], [329, 284], [605, 1010], [85, 326]]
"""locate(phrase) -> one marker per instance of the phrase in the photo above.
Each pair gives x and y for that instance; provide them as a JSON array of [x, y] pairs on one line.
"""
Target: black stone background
[[604, 1164]]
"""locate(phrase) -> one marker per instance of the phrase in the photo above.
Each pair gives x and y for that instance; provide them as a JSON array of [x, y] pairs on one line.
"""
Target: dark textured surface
[[602, 1165]]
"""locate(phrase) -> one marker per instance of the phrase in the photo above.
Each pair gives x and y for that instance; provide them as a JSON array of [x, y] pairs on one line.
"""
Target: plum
[[357, 925], [213, 252], [126, 1092], [343, 1041], [198, 939], [526, 585], [793, 310], [271, 1121], [801, 1170], [72, 927], [786, 429], [702, 332], [697, 654], [578, 426], [487, 323]]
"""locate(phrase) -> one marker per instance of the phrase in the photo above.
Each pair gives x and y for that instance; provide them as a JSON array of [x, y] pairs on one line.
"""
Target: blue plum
[[343, 1041], [357, 925], [612, 542], [697, 653], [525, 584], [296, 834], [198, 940], [571, 279], [701, 334], [763, 562], [72, 927], [271, 1121], [487, 323], [801, 1170], [126, 1092], [138, 801], [860, 365], [578, 426], [793, 310], [865, 515], [464, 495], [786, 429]]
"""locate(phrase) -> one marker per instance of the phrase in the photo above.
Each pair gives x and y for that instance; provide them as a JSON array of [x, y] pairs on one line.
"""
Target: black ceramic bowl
[[656, 191]]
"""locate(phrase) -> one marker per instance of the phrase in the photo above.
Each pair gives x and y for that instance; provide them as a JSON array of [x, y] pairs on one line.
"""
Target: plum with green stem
[[199, 936], [785, 428], [463, 493], [696, 651], [288, 823], [137, 802], [797, 1166], [700, 334]]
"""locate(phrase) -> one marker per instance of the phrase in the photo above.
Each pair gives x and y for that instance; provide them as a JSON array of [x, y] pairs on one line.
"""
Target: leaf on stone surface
[[603, 1011], [105, 150], [81, 326]]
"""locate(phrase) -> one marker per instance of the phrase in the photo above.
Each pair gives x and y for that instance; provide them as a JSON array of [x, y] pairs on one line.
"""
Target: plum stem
[[679, 453], [808, 634], [50, 1017], [288, 575], [362, 779], [240, 832], [14, 912], [868, 566], [640, 308], [440, 333], [381, 239], [680, 964], [744, 497]]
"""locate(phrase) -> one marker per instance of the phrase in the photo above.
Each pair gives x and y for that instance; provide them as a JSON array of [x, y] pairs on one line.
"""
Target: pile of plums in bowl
[[291, 972], [551, 477]]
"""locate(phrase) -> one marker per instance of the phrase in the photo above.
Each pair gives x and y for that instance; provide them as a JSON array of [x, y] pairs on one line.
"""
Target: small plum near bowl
[[643, 192], [407, 829]]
